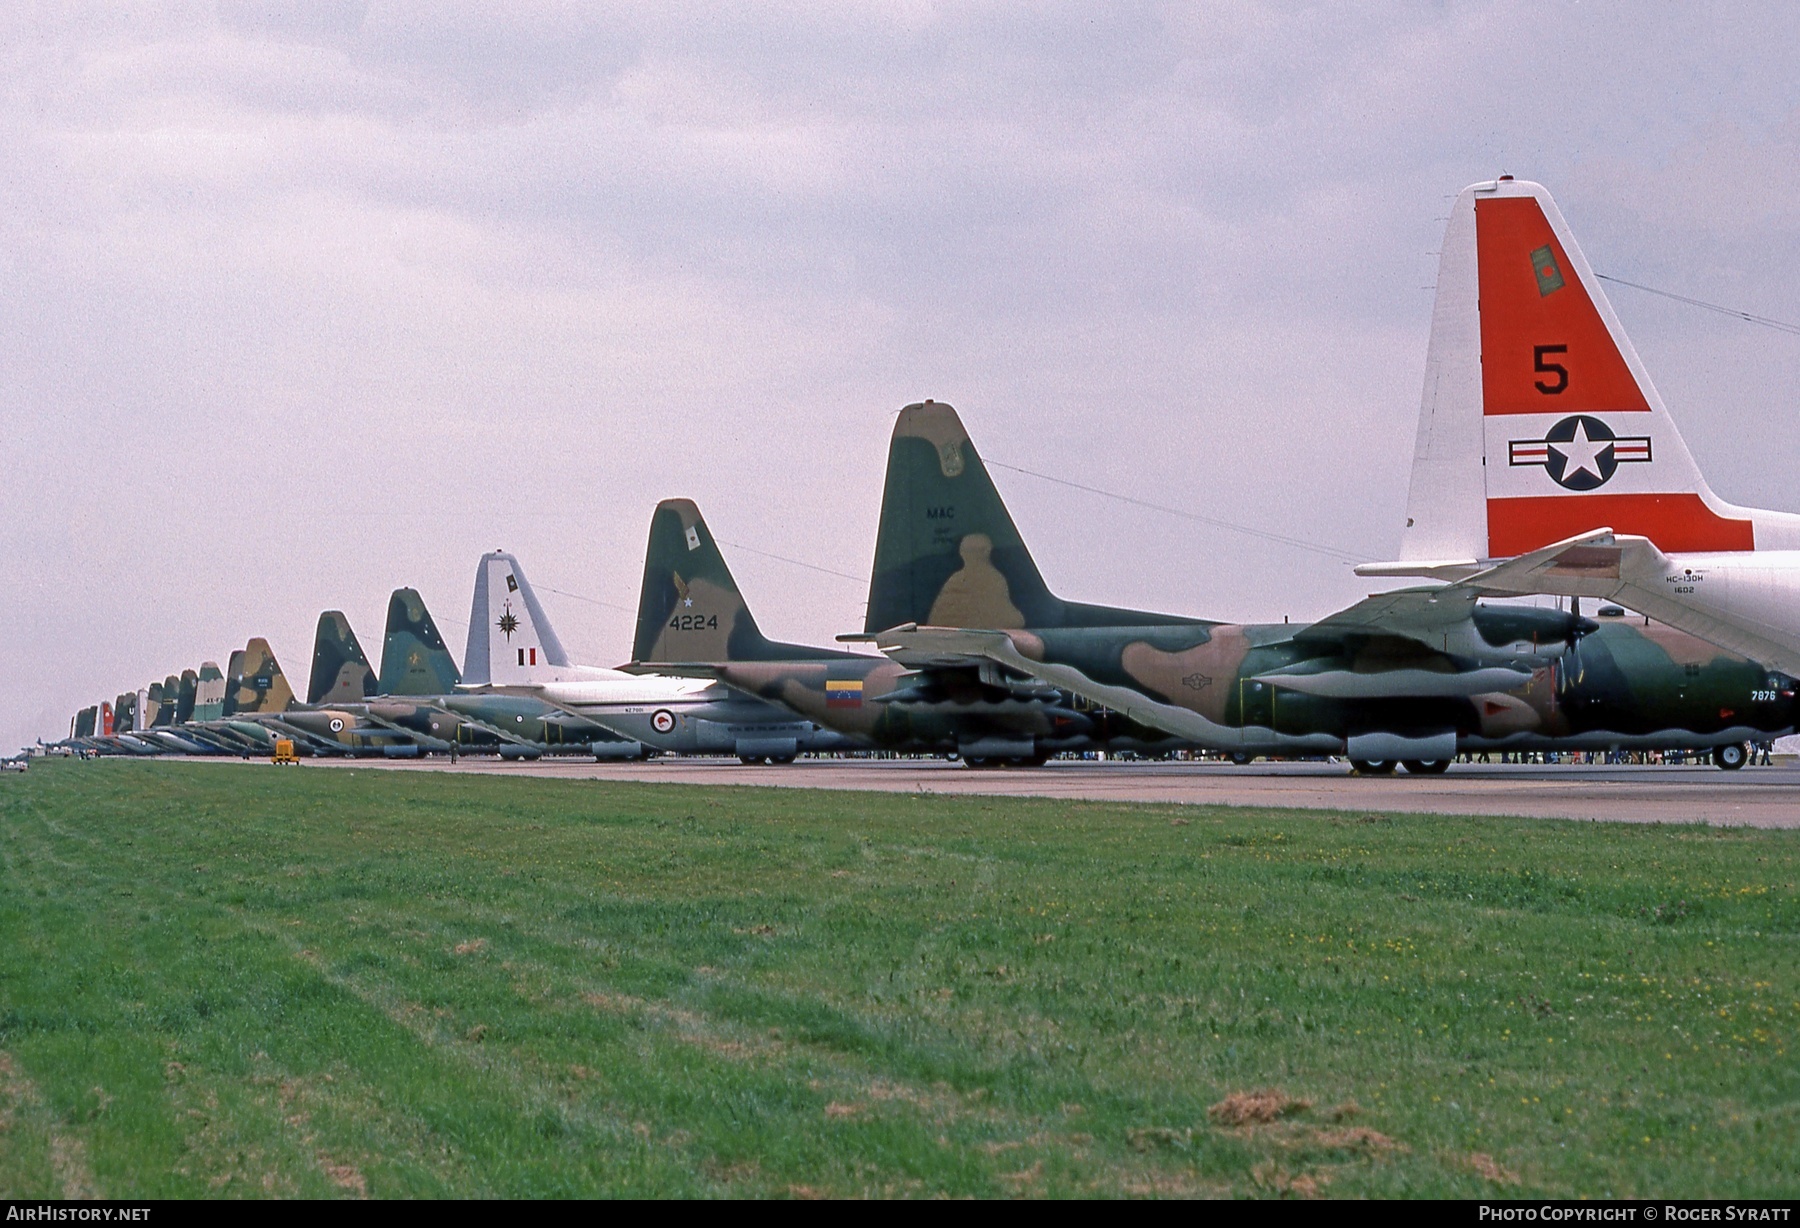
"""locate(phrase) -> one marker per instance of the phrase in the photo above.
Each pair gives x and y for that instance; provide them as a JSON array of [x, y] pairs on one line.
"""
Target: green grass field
[[220, 979]]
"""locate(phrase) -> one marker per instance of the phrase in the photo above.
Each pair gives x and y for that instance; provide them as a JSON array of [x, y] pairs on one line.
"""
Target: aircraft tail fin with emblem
[[511, 641], [209, 692], [414, 660], [340, 670], [690, 609], [1538, 421], [947, 552], [257, 685]]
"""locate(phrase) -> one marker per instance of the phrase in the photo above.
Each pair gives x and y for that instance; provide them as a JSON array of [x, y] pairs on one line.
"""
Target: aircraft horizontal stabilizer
[[1492, 575], [1428, 569], [938, 647], [1587, 565]]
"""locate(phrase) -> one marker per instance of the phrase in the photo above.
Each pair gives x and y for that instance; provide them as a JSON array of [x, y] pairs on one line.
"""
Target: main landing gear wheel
[[1241, 757], [1731, 757], [1373, 767], [1426, 767]]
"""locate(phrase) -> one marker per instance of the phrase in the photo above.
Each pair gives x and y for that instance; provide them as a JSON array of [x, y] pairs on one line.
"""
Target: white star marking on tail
[[1581, 453]]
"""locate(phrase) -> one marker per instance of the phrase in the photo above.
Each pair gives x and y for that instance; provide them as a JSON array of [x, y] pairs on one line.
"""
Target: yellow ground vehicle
[[284, 752]]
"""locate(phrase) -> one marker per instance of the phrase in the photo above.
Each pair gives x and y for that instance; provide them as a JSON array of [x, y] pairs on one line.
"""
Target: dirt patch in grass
[[613, 1003], [344, 1176], [1256, 1108], [1279, 1181], [1487, 1168], [1025, 1177], [731, 1174], [1358, 1138], [1157, 1138]]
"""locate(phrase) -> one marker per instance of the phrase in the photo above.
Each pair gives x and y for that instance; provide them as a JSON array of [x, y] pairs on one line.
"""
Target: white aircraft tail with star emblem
[[1541, 433], [1538, 420], [511, 641]]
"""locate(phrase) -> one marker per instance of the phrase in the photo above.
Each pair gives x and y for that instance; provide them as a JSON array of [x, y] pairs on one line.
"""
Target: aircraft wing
[[423, 740], [960, 648]]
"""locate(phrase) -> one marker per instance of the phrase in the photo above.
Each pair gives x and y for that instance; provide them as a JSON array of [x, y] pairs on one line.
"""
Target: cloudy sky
[[302, 302]]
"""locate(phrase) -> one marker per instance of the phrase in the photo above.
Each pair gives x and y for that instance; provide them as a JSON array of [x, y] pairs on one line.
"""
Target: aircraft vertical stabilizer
[[209, 693], [414, 660], [257, 684], [690, 609], [947, 552], [340, 670], [510, 638], [187, 696], [171, 698], [1539, 422], [234, 669]]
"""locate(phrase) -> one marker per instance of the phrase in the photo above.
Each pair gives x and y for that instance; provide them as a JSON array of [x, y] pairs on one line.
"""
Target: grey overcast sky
[[303, 302]]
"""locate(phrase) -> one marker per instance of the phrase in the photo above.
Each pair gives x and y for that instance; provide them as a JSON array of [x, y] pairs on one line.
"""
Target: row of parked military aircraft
[[1545, 464]]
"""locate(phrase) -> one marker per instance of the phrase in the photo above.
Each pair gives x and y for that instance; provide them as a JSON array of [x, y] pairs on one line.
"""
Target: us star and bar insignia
[[1580, 452]]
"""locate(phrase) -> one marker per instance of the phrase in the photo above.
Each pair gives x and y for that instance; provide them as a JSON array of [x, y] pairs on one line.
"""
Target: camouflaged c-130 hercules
[[693, 618], [1413, 676]]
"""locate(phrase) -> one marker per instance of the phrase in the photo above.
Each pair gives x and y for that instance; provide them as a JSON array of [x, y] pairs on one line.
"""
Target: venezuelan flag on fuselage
[[843, 693]]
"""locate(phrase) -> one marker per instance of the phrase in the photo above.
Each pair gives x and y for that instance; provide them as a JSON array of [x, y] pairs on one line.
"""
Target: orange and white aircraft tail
[[1539, 422]]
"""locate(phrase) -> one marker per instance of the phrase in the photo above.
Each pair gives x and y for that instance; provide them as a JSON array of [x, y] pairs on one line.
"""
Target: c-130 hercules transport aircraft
[[1546, 461], [1414, 676]]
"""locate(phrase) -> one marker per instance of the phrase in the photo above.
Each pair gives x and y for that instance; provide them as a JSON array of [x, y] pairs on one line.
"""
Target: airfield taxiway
[[1753, 796]]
